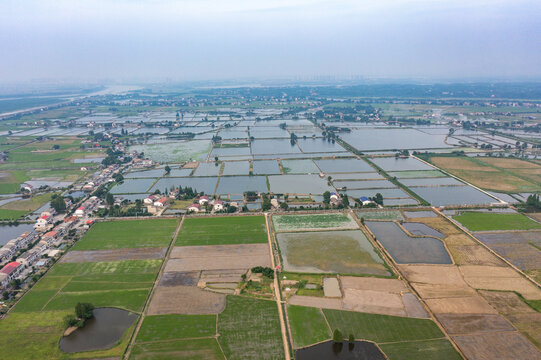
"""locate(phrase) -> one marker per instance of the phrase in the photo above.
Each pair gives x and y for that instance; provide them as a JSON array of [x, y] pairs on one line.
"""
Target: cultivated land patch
[[250, 329], [504, 345], [488, 173], [218, 257], [346, 252], [222, 230], [175, 326], [189, 300], [128, 234], [481, 221], [499, 278], [207, 348], [285, 223], [474, 323], [308, 325], [114, 255], [381, 215]]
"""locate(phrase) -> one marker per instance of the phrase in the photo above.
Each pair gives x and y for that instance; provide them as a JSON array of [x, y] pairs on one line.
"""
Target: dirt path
[[156, 282], [277, 294]]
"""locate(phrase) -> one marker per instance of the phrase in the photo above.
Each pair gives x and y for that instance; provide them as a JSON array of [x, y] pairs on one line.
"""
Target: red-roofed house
[[193, 208], [80, 211], [11, 270], [161, 202], [50, 236]]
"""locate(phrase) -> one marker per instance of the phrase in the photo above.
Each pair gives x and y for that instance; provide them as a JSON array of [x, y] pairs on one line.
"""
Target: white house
[[80, 211], [203, 200], [334, 196], [194, 208], [161, 202], [218, 205]]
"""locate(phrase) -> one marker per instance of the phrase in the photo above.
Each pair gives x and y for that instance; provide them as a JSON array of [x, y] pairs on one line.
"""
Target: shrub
[[337, 336]]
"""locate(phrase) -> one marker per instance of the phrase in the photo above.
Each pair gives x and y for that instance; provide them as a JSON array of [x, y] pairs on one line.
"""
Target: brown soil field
[[433, 274], [459, 239], [459, 163], [499, 278], [185, 300], [523, 256], [497, 345], [440, 224], [473, 255], [473, 323], [413, 306], [376, 284], [313, 301], [510, 163], [483, 176], [535, 274], [522, 316], [218, 257], [114, 255], [506, 302], [535, 216], [376, 302], [175, 278], [460, 305], [430, 291], [222, 276]]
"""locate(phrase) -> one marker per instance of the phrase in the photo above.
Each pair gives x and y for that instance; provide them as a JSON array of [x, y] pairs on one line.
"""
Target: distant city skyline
[[138, 41]]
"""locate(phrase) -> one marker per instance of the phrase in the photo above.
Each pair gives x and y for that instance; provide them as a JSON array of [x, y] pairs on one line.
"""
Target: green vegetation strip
[[427, 350], [175, 326], [250, 329], [194, 349], [128, 234], [308, 325], [222, 230], [316, 221], [481, 221]]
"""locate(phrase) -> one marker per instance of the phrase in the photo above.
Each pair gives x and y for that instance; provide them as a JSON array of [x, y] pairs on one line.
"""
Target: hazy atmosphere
[[157, 40]]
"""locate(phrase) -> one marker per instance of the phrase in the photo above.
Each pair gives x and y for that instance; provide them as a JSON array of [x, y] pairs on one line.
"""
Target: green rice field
[[482, 221], [284, 223]]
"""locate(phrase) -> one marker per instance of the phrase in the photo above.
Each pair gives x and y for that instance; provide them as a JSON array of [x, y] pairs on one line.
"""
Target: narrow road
[[277, 294], [149, 297]]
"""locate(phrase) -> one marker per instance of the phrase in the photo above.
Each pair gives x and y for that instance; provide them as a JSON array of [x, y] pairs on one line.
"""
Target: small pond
[[408, 250], [103, 331], [419, 229], [329, 350]]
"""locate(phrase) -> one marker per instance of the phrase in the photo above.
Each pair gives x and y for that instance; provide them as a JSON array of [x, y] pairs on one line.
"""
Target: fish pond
[[329, 350], [405, 249], [103, 331]]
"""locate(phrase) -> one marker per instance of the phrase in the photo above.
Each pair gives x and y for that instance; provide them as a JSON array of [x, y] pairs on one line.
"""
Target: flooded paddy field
[[400, 164], [408, 250], [206, 184], [266, 167], [374, 139], [207, 169], [346, 252], [286, 223], [241, 184], [453, 195], [236, 168], [364, 184], [432, 182], [274, 146], [298, 184], [343, 165], [329, 350], [299, 167], [319, 145], [132, 186], [177, 151]]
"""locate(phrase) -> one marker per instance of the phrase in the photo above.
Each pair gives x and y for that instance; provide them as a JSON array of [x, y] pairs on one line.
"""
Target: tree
[[337, 336], [70, 320], [345, 200], [56, 147], [284, 206], [326, 197], [351, 338], [58, 203], [84, 310], [167, 169], [110, 199]]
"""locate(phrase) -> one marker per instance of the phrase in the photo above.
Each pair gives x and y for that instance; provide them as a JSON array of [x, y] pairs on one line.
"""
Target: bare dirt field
[[114, 255], [459, 239], [222, 276], [460, 305], [377, 302], [535, 216], [367, 283], [318, 302], [474, 255], [434, 291], [499, 278], [175, 278], [433, 274], [473, 323], [218, 257], [523, 256], [497, 345], [522, 316], [413, 306], [185, 300]]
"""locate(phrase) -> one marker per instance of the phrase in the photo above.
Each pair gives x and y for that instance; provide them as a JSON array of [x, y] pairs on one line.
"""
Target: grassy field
[[250, 329], [380, 215], [128, 234], [174, 326], [28, 205], [194, 349], [382, 328], [10, 181], [123, 284], [479, 221], [505, 175], [316, 221], [222, 230], [308, 326], [35, 336], [427, 350], [12, 214]]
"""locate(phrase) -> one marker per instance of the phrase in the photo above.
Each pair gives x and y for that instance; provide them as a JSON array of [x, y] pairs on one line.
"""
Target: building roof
[[10, 267], [194, 205], [204, 197], [364, 198], [81, 208], [163, 200], [51, 234], [44, 217]]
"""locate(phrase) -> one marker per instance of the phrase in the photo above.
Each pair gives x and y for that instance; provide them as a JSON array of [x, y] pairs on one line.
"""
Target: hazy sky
[[126, 40]]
